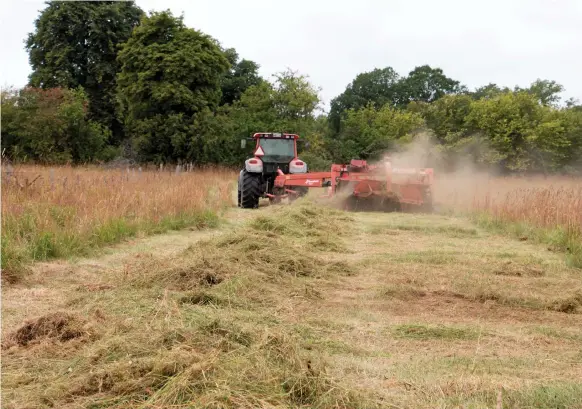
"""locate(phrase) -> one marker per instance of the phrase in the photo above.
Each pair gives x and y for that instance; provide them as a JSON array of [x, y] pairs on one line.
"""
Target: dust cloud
[[459, 182]]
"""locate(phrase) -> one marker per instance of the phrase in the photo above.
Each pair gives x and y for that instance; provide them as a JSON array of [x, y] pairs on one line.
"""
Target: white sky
[[508, 42]]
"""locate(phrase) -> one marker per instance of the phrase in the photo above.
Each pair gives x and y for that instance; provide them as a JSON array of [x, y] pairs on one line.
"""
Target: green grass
[[550, 396], [557, 239], [429, 332], [23, 242], [427, 257], [447, 230], [553, 395], [561, 334]]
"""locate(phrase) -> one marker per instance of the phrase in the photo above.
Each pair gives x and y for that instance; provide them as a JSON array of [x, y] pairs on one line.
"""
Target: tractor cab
[[276, 147], [274, 154]]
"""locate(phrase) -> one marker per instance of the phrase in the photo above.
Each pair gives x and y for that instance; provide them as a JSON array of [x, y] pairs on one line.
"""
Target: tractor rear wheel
[[249, 190]]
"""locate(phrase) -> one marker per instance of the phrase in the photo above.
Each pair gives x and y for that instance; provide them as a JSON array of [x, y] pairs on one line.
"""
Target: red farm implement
[[276, 172], [369, 187]]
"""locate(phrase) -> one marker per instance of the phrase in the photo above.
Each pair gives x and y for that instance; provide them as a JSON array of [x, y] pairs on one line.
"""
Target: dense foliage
[[76, 44], [51, 126], [170, 76], [108, 79]]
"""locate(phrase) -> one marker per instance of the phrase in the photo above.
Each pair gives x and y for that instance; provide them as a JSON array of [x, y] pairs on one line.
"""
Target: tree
[[367, 133], [446, 117], [242, 74], [523, 134], [427, 84], [547, 92], [572, 118], [51, 126], [295, 98], [288, 104], [377, 87], [489, 91], [169, 74], [315, 150], [75, 44]]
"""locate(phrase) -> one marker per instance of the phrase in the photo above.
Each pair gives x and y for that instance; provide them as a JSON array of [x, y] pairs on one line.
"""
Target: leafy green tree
[[367, 133], [427, 84], [384, 86], [51, 126], [523, 134], [288, 104], [295, 98], [242, 74], [76, 44], [378, 87], [546, 91], [169, 74], [446, 116], [489, 91], [314, 145], [573, 129]]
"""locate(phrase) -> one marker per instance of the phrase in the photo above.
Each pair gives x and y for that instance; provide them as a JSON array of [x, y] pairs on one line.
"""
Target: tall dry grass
[[546, 209], [61, 211]]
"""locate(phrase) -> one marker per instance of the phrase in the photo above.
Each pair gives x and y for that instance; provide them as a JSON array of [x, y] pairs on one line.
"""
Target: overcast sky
[[508, 42]]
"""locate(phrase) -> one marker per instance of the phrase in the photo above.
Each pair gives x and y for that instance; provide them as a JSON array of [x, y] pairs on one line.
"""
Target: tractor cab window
[[277, 150]]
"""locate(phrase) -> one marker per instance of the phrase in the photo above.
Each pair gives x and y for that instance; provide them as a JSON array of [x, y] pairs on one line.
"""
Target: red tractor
[[276, 172], [274, 154]]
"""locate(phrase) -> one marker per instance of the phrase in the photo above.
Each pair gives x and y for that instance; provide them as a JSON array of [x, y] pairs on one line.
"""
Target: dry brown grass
[[546, 209], [61, 211]]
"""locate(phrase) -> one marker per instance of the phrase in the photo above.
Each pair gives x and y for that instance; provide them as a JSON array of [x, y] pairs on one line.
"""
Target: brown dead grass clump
[[510, 268], [57, 326], [568, 305], [271, 246]]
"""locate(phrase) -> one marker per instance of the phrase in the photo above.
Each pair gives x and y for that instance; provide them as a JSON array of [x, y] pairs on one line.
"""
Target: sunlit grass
[[65, 211]]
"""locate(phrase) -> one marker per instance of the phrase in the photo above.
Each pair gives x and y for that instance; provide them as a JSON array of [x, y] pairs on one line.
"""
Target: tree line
[[110, 81]]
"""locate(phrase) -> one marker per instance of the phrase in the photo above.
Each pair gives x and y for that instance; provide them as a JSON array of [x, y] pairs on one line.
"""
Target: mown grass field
[[300, 306]]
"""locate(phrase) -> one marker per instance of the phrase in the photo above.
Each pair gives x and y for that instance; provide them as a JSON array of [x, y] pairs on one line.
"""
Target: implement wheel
[[300, 190], [249, 190], [427, 206]]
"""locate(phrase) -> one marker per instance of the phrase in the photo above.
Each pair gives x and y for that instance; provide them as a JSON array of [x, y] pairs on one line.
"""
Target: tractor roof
[[275, 135]]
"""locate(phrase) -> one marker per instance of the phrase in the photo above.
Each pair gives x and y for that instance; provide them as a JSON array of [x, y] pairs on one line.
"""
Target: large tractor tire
[[249, 190]]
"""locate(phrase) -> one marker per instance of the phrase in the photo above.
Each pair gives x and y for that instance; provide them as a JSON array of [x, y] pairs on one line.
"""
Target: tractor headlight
[[297, 166]]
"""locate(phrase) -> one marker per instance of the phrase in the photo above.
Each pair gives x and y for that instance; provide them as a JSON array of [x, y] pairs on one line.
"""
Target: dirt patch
[[58, 326]]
